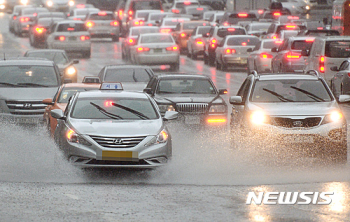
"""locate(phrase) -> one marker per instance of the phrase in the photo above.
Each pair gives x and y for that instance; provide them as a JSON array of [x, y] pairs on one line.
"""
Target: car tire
[[175, 67], [87, 54], [115, 38]]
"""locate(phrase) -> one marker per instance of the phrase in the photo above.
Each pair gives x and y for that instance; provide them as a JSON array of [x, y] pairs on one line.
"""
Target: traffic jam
[[112, 87]]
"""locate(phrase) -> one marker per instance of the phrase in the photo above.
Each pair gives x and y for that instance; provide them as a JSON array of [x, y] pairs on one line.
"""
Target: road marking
[[71, 196]]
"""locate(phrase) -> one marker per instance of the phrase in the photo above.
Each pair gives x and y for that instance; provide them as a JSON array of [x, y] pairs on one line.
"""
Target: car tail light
[[24, 19], [274, 37], [187, 3], [142, 49], [114, 23], [231, 29], [165, 30], [322, 68], [213, 43], [14, 17], [39, 30], [276, 14], [244, 44], [102, 13], [70, 29], [199, 9], [226, 24], [319, 28], [290, 26], [35, 14], [230, 51], [172, 48], [265, 56], [183, 35], [131, 41], [242, 15], [176, 11], [77, 19], [291, 55], [84, 37], [89, 24], [293, 17], [80, 6], [120, 14], [199, 42], [150, 24], [309, 40], [279, 42], [61, 38], [141, 22], [130, 12], [260, 11]]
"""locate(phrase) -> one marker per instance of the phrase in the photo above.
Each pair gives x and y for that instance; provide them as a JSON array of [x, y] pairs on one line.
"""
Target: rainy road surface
[[207, 179]]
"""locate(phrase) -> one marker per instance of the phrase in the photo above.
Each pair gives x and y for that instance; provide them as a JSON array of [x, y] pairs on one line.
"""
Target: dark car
[[195, 97]]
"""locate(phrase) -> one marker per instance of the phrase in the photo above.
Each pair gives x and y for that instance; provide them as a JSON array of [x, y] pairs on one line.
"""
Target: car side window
[[244, 90], [100, 74], [344, 66], [284, 46]]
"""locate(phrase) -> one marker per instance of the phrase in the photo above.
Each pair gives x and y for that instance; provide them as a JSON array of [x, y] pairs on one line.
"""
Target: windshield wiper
[[189, 92], [30, 84], [280, 97], [137, 113], [165, 92], [106, 113], [7, 84], [309, 94]]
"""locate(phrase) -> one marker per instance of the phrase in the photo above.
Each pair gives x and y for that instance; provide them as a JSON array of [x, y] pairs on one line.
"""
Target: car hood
[[295, 109], [27, 93], [189, 98], [124, 128]]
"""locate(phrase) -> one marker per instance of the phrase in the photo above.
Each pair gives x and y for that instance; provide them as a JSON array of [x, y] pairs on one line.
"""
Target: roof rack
[[312, 72]]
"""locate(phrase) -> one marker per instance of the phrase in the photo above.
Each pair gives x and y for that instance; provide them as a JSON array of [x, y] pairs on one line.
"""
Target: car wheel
[[175, 67], [115, 38], [87, 54]]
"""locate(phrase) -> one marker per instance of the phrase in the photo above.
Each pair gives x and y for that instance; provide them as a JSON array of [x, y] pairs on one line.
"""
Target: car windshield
[[243, 41], [68, 92], [157, 39], [337, 49], [127, 75], [138, 31], [182, 86], [142, 5], [202, 30], [291, 90], [101, 17], [302, 45], [28, 76], [114, 108], [271, 44], [181, 5], [57, 57], [262, 27], [71, 27], [48, 21]]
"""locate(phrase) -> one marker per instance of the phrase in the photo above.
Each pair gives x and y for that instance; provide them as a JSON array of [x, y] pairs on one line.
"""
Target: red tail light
[[141, 22], [114, 23], [230, 51], [35, 14], [242, 15], [165, 30], [176, 11], [213, 43], [265, 56], [142, 49], [24, 19], [274, 37], [187, 3], [14, 17], [277, 14], [80, 6], [290, 26], [130, 12], [183, 35], [150, 24], [70, 29], [231, 29], [319, 28], [244, 44], [131, 41], [84, 37], [199, 42], [349, 74], [89, 24], [309, 40], [260, 11], [279, 42], [102, 13], [61, 38], [39, 30], [226, 24], [291, 55], [77, 19], [199, 9], [293, 17], [322, 68], [172, 48]]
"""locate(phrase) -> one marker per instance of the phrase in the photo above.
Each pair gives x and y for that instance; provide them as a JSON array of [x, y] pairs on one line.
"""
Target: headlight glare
[[71, 70], [217, 109], [335, 116], [49, 3], [24, 2], [258, 117], [71, 3], [162, 136], [75, 138]]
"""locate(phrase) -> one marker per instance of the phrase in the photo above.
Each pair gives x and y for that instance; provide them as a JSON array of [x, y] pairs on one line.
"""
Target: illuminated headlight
[[307, 7], [75, 138], [24, 2], [2, 6], [49, 3], [164, 108], [217, 109], [335, 116], [162, 137], [71, 70], [258, 117], [2, 2], [71, 3]]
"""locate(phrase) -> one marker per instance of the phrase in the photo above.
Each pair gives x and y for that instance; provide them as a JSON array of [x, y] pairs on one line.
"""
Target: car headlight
[[49, 3], [2, 2], [258, 117], [334, 116], [71, 3], [162, 137], [217, 109], [164, 108], [24, 2], [307, 7], [71, 70], [73, 137]]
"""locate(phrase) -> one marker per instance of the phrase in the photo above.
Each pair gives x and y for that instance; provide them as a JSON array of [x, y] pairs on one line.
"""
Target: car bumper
[[235, 60], [198, 49], [108, 32], [22, 119], [209, 120], [263, 65], [158, 59], [73, 46]]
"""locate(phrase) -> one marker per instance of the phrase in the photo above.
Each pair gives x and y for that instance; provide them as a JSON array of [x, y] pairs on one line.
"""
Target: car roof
[[335, 37], [25, 61], [69, 21], [112, 94], [82, 85], [287, 76], [45, 50], [181, 76], [126, 66], [295, 38]]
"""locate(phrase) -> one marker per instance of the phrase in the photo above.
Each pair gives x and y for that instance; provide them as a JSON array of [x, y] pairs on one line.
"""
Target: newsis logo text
[[290, 198]]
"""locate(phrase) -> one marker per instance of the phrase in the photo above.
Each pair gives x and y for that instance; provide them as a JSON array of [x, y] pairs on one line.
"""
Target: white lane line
[[71, 196]]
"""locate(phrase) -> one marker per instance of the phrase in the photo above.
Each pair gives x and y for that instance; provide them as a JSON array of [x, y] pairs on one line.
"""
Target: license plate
[[157, 50], [298, 139], [72, 38], [120, 155], [192, 120], [27, 120]]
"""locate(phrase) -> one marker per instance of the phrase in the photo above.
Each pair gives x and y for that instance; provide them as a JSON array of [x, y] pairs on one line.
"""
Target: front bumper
[[207, 120], [22, 119]]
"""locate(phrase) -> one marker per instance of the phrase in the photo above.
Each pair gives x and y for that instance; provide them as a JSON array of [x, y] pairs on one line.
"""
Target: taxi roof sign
[[111, 85]]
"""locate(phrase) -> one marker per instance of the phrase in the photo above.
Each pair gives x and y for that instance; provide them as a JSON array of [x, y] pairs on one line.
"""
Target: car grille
[[192, 107], [117, 142], [26, 107], [291, 123]]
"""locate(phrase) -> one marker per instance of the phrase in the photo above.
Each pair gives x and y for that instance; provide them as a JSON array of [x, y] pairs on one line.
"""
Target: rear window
[[144, 30], [127, 75], [271, 44], [82, 12], [142, 5], [173, 21], [29, 11], [157, 17], [338, 49], [101, 17], [142, 15], [260, 27], [157, 39], [290, 27], [203, 30], [243, 41], [47, 22], [301, 45], [181, 5], [71, 27], [193, 25], [230, 31], [235, 18], [198, 10]]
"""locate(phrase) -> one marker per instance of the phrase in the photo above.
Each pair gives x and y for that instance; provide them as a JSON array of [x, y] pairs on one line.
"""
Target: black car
[[194, 97]]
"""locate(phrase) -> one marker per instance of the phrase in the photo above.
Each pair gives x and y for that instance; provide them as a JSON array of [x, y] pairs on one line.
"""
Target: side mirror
[[67, 81], [250, 50], [147, 90], [170, 115], [57, 114], [305, 52], [274, 49], [344, 98], [236, 100], [75, 61], [334, 68], [222, 91], [48, 101]]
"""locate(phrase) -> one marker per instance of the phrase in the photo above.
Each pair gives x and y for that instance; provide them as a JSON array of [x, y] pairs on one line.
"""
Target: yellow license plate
[[120, 155]]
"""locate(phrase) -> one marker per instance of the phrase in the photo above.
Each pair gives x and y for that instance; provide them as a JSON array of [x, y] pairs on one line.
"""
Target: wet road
[[207, 180]]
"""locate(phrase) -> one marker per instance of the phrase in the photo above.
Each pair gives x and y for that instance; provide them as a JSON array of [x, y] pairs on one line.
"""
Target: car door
[[341, 82]]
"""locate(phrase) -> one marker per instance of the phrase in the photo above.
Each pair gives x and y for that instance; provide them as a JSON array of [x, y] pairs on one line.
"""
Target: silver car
[[58, 5], [156, 49], [71, 36], [25, 19], [262, 112], [113, 129], [196, 41], [102, 24], [80, 13]]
